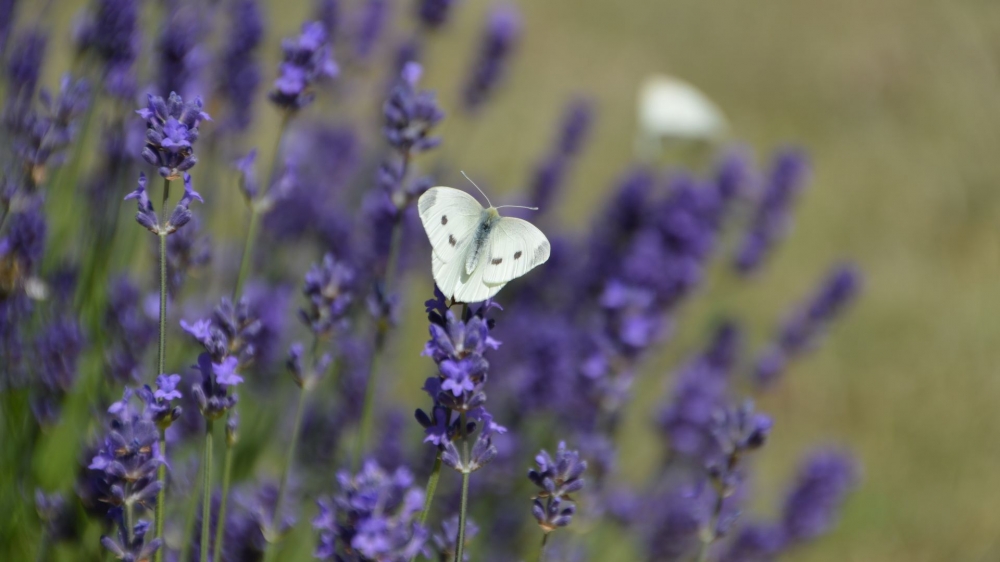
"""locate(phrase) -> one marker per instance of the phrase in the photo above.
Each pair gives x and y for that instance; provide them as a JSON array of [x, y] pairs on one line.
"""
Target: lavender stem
[[254, 224], [381, 330], [432, 484], [161, 472], [220, 523], [289, 459], [161, 476], [709, 536], [463, 428], [206, 500], [541, 551]]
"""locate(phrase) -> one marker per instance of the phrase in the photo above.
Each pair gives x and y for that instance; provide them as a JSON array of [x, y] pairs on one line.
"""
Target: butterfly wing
[[456, 283], [450, 217], [515, 247]]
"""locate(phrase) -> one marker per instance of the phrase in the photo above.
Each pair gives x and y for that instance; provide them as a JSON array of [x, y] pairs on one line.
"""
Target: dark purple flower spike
[[171, 131]]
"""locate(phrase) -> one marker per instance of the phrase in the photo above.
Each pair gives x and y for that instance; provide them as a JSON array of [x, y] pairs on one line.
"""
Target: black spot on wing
[[451, 240], [517, 255], [444, 220], [496, 261]]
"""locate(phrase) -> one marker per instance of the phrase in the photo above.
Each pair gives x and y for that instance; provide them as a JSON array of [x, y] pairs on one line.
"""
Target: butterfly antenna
[[477, 187], [517, 207]]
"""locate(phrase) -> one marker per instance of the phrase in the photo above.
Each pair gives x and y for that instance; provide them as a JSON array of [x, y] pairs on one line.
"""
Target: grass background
[[898, 103]]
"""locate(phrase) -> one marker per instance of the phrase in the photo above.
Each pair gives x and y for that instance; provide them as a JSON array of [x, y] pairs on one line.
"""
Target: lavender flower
[[755, 543], [500, 37], [306, 377], [329, 289], [8, 12], [147, 217], [327, 12], [112, 34], [410, 114], [371, 24], [23, 70], [823, 482], [228, 338], [457, 347], [700, 393], [187, 253], [129, 329], [788, 177], [805, 326], [444, 542], [434, 13], [181, 58], [134, 549], [239, 69], [127, 457], [557, 479], [373, 517], [171, 131], [57, 516], [57, 352], [47, 133], [159, 406], [24, 243], [307, 60], [550, 173]]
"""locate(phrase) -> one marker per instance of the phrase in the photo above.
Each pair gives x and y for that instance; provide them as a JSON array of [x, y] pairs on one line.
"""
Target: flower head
[[789, 175], [503, 29], [812, 505], [306, 60], [329, 288], [171, 131], [132, 548], [127, 456], [410, 114], [374, 515], [239, 68]]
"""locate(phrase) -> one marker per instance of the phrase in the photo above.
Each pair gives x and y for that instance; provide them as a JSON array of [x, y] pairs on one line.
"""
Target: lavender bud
[[503, 29], [812, 505], [789, 175], [239, 69], [171, 131], [306, 60]]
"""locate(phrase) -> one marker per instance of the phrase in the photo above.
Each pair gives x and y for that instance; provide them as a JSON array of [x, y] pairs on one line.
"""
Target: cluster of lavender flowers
[[80, 313]]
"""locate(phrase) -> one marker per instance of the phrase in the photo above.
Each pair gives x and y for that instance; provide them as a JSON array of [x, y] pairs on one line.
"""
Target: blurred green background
[[898, 103]]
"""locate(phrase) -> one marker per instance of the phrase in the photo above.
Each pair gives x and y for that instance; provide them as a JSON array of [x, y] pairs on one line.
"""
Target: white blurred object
[[672, 109]]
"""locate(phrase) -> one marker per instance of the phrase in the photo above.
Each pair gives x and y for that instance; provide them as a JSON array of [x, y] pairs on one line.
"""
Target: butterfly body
[[476, 251]]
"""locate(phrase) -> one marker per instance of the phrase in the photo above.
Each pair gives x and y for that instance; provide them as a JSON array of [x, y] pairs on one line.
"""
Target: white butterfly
[[476, 251]]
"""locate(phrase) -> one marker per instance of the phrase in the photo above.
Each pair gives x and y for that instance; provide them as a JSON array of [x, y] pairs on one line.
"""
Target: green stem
[[254, 225], [161, 473], [273, 536], [220, 523], [206, 500], [709, 535], [290, 458], [129, 513], [541, 551], [43, 548], [460, 547], [161, 476], [247, 251], [190, 513], [432, 484], [368, 410]]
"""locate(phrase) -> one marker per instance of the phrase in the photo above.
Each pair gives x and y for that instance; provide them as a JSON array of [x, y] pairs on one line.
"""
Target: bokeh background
[[898, 104]]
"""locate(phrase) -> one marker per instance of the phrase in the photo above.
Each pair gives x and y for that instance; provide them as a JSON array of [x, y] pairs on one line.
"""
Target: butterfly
[[475, 250]]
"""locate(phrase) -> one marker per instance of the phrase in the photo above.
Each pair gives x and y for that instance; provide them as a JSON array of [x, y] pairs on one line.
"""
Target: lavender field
[[759, 323]]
